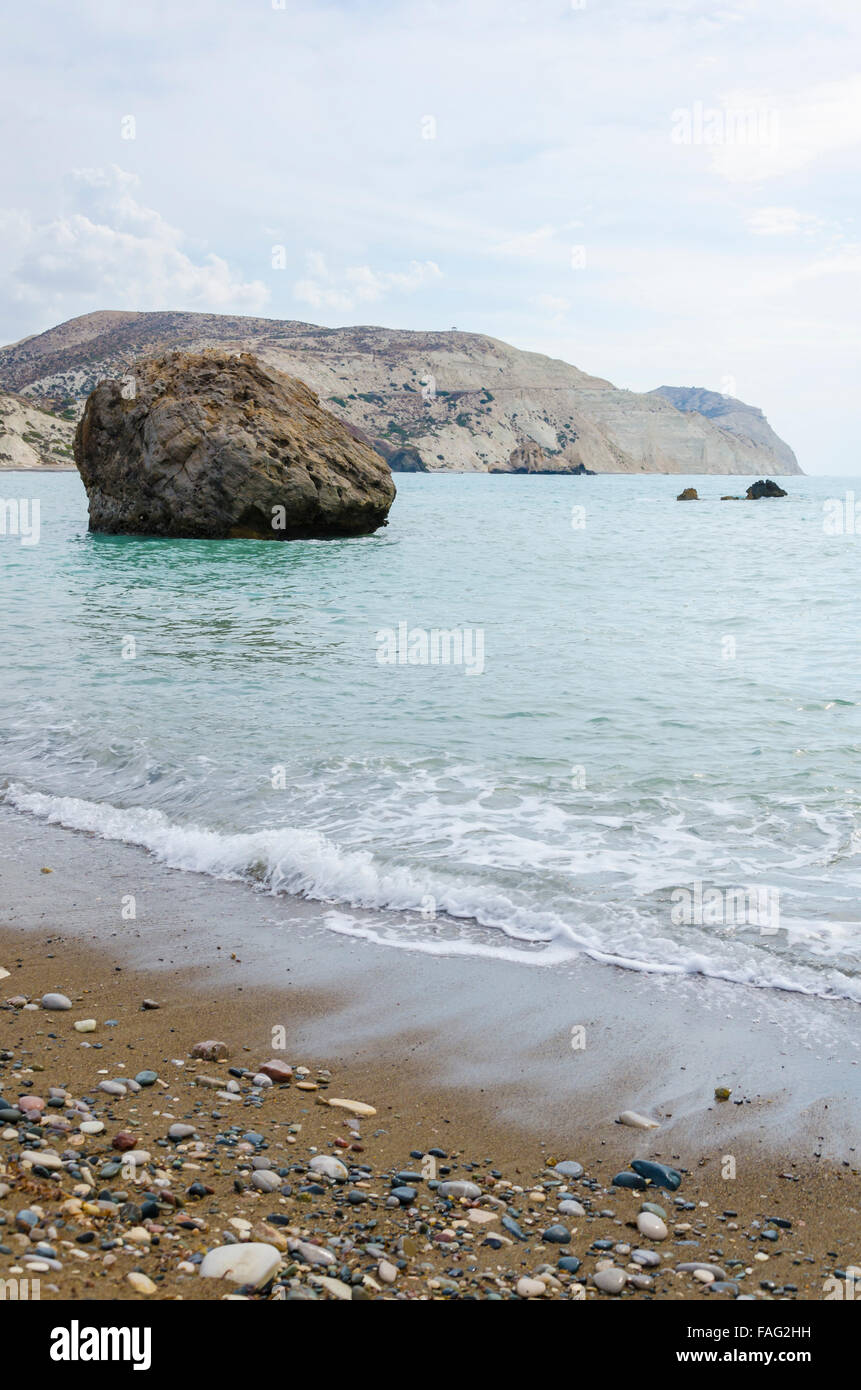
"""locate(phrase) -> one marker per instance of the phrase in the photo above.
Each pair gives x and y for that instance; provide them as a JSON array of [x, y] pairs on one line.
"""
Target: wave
[[416, 911]]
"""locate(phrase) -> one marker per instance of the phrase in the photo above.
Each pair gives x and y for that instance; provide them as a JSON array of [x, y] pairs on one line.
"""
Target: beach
[[471, 1058]]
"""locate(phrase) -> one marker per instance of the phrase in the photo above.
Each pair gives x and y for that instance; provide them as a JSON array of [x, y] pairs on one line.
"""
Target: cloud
[[112, 250], [798, 130], [358, 284], [783, 222], [527, 246]]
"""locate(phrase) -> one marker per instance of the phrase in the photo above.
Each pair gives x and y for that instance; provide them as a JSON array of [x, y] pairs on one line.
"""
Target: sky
[[659, 193]]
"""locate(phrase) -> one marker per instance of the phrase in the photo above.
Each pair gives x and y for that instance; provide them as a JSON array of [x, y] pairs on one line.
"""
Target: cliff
[[428, 401]]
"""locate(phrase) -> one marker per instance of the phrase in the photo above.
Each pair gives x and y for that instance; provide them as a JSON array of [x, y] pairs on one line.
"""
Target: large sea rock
[[218, 444]]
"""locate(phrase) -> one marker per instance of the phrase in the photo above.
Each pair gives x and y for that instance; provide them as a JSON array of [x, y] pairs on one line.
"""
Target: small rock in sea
[[146, 1078], [459, 1189], [251, 1262], [354, 1107], [611, 1280], [556, 1235], [328, 1165], [85, 1025], [689, 494], [210, 1050], [55, 1001], [569, 1168], [140, 1283], [722, 1093], [658, 1173], [651, 1226], [530, 1288], [630, 1117], [764, 487]]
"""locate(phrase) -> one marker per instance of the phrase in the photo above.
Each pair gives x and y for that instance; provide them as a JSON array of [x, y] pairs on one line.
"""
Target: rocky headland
[[426, 401]]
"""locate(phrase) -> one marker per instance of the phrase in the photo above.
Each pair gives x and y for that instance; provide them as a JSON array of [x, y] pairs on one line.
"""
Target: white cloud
[[110, 250], [358, 284], [811, 125], [779, 221], [527, 246]]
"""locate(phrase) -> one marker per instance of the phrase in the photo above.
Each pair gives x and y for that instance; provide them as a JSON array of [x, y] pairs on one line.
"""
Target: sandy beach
[[468, 1057]]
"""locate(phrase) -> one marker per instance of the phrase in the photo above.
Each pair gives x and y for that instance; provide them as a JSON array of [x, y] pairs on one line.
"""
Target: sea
[[532, 718]]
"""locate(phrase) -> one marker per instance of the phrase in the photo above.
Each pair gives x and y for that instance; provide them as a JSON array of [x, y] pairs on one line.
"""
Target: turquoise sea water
[[667, 703]]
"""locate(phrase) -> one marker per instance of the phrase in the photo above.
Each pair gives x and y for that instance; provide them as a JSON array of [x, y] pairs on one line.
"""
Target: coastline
[[472, 1053]]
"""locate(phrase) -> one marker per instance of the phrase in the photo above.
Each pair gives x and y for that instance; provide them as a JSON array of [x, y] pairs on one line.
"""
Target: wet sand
[[471, 1056]]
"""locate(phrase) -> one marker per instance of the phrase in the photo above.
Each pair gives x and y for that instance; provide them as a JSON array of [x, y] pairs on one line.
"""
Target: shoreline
[[472, 1056]]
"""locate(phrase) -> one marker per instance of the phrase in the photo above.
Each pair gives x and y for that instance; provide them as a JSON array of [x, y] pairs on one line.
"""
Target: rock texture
[[33, 438], [746, 422], [764, 487], [219, 445], [447, 401]]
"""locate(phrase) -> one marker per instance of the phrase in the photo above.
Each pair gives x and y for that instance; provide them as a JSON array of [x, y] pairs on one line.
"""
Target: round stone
[[651, 1226], [56, 1001]]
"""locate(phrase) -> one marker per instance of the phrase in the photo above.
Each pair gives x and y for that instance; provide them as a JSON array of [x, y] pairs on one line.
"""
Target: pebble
[[631, 1180], [611, 1280], [276, 1071], [91, 1126], [571, 1208], [355, 1107], [328, 1165], [312, 1254], [55, 1001], [658, 1173], [459, 1189], [146, 1078], [181, 1131], [266, 1182], [569, 1169], [141, 1283], [530, 1288], [387, 1271], [631, 1117], [85, 1025], [210, 1050], [251, 1262], [556, 1235], [651, 1226], [113, 1088]]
